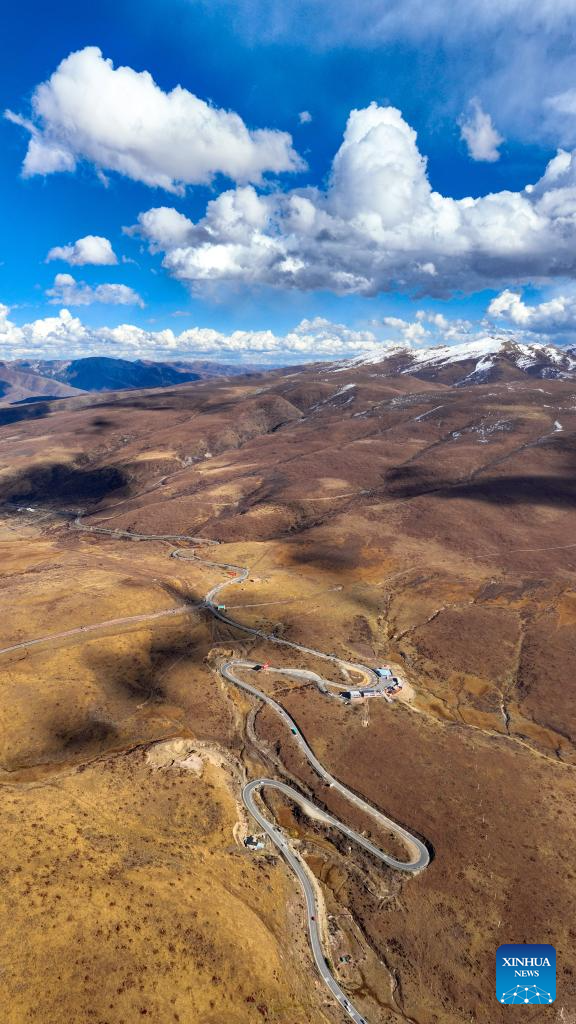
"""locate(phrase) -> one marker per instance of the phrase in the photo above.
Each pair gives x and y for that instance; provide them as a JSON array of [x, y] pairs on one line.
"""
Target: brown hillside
[[384, 518]]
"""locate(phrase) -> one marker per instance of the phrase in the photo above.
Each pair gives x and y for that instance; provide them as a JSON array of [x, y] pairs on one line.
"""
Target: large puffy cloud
[[67, 336], [556, 315], [92, 249], [66, 289], [378, 226], [479, 134], [120, 120]]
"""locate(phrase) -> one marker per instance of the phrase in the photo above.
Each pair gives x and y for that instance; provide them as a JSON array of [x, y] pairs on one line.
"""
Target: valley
[[383, 518]]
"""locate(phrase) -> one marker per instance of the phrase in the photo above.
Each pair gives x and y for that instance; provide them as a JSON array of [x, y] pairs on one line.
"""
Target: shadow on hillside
[[16, 413], [338, 564], [330, 557], [102, 423], [92, 732], [182, 593], [63, 482], [150, 403], [125, 676], [558, 491]]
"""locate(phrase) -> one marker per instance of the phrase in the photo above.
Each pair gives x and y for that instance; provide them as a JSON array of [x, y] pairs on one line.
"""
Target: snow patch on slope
[[484, 350]]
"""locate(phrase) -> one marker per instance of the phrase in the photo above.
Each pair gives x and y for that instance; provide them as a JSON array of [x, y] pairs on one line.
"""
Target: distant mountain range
[[477, 362], [31, 380], [18, 384]]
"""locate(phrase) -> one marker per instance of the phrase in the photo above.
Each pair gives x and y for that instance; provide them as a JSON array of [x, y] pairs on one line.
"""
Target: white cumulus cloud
[[305, 117], [66, 335], [67, 290], [412, 332], [378, 226], [163, 226], [479, 134], [119, 119], [92, 249], [553, 316]]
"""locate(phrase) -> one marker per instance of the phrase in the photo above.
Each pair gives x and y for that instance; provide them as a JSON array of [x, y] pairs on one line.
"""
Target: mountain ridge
[[483, 360], [480, 361], [28, 379]]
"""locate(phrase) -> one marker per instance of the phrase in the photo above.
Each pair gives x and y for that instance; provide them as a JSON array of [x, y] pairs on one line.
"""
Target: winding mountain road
[[419, 856], [373, 681], [418, 853]]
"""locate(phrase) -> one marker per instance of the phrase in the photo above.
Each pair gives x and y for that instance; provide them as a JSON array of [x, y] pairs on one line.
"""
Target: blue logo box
[[526, 974]]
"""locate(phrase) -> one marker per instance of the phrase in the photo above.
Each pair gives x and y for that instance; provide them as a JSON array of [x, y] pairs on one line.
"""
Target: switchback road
[[419, 856], [418, 853]]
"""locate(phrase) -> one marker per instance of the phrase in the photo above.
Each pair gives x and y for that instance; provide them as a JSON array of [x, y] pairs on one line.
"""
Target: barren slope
[[384, 518]]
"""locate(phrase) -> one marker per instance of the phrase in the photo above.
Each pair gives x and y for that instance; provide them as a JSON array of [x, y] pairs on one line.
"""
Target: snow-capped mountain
[[475, 362]]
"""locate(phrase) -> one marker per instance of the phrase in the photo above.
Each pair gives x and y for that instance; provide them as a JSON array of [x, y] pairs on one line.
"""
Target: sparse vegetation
[[372, 536]]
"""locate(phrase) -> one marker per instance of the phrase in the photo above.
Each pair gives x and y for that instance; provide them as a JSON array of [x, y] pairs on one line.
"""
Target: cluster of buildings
[[393, 686], [359, 694], [394, 683]]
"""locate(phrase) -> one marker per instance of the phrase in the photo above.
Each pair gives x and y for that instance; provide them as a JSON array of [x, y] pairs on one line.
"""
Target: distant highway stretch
[[419, 856], [183, 609]]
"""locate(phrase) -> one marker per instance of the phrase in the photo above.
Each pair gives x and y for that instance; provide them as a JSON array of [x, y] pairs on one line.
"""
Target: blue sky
[[324, 234]]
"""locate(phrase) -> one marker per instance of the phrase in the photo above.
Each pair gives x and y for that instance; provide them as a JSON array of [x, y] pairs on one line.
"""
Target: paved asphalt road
[[418, 850], [183, 609], [373, 681], [309, 894], [420, 856], [419, 853]]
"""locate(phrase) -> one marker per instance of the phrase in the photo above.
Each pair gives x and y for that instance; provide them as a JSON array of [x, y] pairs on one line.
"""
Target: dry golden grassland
[[126, 898], [128, 881]]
